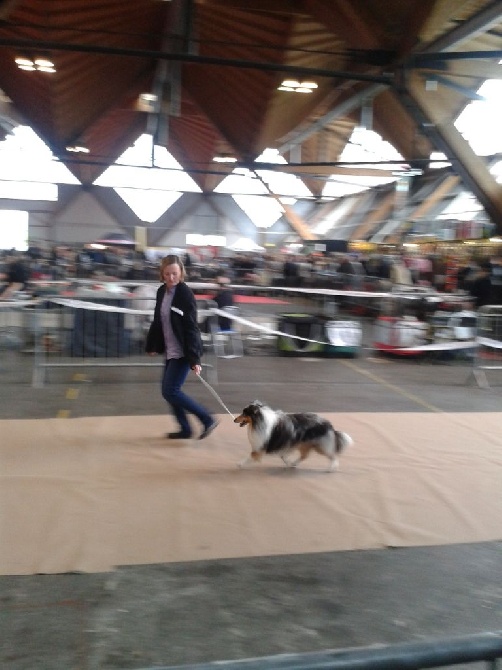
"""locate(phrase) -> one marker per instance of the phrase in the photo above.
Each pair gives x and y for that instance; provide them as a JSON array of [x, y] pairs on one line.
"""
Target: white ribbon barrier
[[442, 346], [487, 342], [256, 326], [16, 303], [85, 304], [439, 346]]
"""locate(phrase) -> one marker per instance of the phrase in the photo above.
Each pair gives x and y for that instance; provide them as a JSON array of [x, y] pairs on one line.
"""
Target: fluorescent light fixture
[[224, 158], [39, 64], [43, 62], [77, 149], [296, 86], [149, 97]]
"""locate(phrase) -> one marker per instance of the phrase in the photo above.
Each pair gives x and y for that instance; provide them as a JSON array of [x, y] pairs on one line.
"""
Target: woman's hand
[[197, 369]]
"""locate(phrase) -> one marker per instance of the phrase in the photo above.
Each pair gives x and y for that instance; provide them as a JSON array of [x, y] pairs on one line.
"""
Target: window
[[13, 229]]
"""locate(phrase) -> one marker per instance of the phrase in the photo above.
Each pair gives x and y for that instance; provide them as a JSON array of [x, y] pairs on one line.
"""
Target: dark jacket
[[224, 298], [183, 321]]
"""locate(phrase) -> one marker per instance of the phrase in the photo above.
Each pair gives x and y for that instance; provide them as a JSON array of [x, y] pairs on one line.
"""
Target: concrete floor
[[175, 614]]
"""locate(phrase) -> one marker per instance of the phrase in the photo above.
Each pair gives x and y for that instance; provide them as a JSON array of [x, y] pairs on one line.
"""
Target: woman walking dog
[[174, 332]]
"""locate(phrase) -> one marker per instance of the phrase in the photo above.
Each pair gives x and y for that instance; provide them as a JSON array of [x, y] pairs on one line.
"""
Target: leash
[[211, 389]]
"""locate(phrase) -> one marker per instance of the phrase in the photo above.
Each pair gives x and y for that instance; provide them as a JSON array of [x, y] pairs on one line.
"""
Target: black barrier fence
[[483, 648], [102, 332], [109, 328]]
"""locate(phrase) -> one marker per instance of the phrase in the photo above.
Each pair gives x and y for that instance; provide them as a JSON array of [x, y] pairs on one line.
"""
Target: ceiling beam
[[329, 169], [296, 222], [195, 59], [342, 109], [479, 23], [345, 20], [463, 90], [376, 216], [269, 6], [417, 19], [439, 193], [467, 68], [471, 168], [438, 58]]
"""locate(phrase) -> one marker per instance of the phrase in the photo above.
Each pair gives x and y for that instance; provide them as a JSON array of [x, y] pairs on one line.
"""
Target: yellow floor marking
[[393, 387], [72, 394], [79, 377], [63, 414]]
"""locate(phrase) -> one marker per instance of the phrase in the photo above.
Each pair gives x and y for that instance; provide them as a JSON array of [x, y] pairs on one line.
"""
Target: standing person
[[496, 279], [480, 285], [174, 332], [224, 298]]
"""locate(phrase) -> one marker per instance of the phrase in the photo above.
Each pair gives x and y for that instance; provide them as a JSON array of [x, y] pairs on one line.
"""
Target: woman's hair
[[171, 259]]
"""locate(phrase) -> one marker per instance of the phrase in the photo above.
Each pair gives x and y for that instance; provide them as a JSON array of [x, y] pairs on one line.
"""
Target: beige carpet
[[90, 494]]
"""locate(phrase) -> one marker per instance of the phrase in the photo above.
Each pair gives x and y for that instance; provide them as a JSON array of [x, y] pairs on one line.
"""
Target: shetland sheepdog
[[272, 431]]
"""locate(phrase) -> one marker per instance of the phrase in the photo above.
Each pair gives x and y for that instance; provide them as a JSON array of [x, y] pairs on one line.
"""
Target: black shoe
[[208, 430], [180, 435]]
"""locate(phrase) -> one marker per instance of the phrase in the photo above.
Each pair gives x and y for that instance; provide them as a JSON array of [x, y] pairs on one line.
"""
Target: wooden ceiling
[[215, 67]]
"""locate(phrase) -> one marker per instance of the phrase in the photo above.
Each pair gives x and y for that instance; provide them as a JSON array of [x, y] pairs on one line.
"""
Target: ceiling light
[[77, 149], [147, 102], [295, 86], [23, 61], [149, 97], [43, 62], [291, 83], [38, 64], [225, 158]]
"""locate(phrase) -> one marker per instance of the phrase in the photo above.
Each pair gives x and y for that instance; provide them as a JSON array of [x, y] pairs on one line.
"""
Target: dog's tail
[[342, 441]]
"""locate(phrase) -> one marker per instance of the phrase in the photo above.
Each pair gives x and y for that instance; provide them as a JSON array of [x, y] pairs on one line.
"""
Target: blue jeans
[[175, 374]]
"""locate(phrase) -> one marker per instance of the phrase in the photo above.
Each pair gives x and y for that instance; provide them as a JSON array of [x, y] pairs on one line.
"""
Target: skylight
[[28, 169], [149, 187], [479, 123], [363, 145], [13, 229], [249, 188]]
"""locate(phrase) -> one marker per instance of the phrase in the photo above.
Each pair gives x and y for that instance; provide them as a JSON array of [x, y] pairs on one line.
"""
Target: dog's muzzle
[[241, 420]]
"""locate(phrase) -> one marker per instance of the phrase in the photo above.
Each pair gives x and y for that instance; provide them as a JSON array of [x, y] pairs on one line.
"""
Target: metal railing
[[81, 336], [488, 353]]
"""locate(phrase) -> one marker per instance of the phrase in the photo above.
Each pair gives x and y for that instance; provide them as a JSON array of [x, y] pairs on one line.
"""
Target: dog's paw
[[334, 467]]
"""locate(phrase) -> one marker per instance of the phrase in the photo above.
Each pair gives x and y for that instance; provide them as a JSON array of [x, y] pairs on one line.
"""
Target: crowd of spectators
[[481, 278]]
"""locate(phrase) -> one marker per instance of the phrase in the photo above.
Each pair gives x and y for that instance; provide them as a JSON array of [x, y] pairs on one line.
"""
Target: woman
[[174, 332]]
